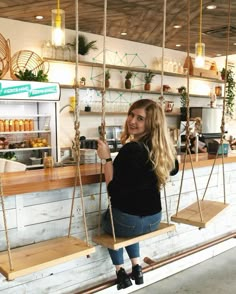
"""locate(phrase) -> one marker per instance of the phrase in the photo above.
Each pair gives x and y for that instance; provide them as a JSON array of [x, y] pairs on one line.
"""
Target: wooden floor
[[108, 242], [31, 258], [191, 215]]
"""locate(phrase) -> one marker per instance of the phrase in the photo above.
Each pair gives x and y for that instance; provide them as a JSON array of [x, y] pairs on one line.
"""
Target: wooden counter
[[63, 177], [47, 179]]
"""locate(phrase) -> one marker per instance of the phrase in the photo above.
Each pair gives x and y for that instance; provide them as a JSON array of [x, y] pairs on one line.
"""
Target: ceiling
[[141, 19]]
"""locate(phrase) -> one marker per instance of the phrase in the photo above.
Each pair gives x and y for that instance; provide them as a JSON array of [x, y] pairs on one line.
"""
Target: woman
[[140, 170], [197, 146]]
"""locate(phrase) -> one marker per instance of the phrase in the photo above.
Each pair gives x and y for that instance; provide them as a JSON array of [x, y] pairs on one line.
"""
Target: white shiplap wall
[[40, 216]]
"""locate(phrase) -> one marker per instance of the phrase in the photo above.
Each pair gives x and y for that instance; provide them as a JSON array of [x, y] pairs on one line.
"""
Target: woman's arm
[[103, 152], [108, 171]]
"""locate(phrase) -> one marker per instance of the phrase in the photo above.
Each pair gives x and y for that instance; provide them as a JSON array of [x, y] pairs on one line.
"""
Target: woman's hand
[[103, 150]]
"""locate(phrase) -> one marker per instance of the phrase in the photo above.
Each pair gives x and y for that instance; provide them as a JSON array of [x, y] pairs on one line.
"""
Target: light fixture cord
[[200, 24], [58, 6]]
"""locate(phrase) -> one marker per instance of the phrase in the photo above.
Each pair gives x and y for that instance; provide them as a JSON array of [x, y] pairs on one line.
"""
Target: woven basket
[[4, 56], [26, 59]]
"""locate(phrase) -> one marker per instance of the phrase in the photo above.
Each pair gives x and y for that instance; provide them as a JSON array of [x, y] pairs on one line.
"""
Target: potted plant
[[183, 100], [128, 76], [222, 73], [148, 79], [84, 47], [82, 81], [230, 89], [107, 78]]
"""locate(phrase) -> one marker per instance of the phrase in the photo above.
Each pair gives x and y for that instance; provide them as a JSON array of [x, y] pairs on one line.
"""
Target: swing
[[111, 241], [35, 257], [202, 212]]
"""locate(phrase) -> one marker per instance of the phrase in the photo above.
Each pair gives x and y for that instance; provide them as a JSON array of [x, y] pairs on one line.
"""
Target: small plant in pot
[[84, 47], [107, 78], [83, 81], [183, 101], [128, 76], [148, 79]]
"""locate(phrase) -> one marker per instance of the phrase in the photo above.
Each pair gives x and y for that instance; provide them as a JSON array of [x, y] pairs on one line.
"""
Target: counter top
[[62, 177], [48, 179]]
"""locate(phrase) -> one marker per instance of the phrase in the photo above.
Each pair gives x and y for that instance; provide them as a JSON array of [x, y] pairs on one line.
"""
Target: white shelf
[[25, 132], [24, 149], [24, 116]]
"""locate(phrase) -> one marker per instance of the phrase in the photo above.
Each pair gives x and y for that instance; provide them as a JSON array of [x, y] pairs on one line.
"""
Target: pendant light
[[58, 26], [200, 47]]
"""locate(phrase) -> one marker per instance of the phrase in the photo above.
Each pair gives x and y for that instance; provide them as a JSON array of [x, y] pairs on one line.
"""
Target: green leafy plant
[[230, 91], [82, 81], [107, 75], [183, 96], [85, 46], [128, 75], [149, 76], [28, 75]]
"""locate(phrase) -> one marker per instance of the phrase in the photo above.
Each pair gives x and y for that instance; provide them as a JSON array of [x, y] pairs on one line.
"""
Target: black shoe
[[137, 274], [123, 280]]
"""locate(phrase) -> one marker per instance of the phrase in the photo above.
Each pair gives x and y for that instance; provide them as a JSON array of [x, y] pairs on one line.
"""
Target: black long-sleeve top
[[133, 188]]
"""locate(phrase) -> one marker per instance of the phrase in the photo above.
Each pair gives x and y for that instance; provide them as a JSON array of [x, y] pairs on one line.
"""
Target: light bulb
[[58, 27], [199, 55]]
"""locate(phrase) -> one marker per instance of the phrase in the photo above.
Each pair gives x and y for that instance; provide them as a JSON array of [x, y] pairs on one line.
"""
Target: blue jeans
[[128, 225]]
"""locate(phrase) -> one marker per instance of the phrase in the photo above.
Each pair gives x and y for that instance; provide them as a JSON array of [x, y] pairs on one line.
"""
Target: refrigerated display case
[[28, 121]]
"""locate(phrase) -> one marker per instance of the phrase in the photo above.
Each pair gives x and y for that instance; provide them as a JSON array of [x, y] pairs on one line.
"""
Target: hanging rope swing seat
[[31, 258], [202, 212], [111, 241]]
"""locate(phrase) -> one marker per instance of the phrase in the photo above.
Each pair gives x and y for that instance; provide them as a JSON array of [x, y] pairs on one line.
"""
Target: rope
[[103, 127], [5, 227], [187, 143], [76, 143], [167, 214], [223, 111]]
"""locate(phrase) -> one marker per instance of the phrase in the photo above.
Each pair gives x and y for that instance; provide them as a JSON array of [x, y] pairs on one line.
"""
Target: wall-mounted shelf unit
[[173, 113], [137, 69], [133, 91]]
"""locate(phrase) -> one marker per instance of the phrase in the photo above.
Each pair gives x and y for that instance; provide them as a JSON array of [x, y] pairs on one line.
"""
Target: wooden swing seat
[[107, 241], [191, 215], [35, 257]]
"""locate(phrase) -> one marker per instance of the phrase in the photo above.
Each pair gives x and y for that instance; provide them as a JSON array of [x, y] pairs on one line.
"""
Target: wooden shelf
[[31, 258], [138, 91], [174, 113], [136, 69]]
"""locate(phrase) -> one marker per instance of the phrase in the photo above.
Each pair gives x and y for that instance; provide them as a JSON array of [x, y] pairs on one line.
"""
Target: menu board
[[29, 91]]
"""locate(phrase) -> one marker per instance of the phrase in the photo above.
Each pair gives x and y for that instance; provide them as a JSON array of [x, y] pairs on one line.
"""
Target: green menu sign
[[23, 90]]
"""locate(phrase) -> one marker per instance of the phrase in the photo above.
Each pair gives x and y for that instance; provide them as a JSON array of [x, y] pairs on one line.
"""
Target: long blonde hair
[[157, 139]]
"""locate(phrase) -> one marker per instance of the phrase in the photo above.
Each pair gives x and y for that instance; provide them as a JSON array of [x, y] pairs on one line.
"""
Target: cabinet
[[28, 121]]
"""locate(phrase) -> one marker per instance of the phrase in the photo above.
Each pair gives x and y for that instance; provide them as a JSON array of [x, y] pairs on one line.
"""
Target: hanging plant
[[230, 91]]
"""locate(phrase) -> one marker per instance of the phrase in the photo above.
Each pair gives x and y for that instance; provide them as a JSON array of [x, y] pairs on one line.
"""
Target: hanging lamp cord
[[200, 23]]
